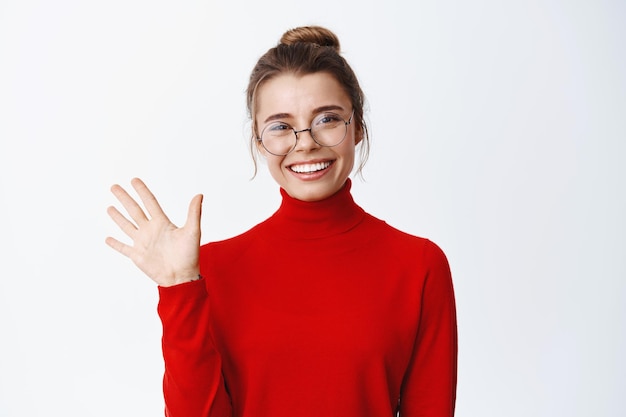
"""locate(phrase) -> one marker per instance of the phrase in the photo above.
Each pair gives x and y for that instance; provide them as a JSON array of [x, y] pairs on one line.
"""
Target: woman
[[320, 310]]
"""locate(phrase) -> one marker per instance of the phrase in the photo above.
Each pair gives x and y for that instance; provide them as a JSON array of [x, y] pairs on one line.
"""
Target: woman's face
[[310, 172]]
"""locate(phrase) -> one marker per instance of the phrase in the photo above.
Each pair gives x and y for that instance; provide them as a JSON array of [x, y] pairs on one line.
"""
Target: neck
[[317, 219]]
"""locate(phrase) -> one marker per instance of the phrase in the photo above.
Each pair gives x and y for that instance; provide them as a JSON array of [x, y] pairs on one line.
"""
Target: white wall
[[499, 132]]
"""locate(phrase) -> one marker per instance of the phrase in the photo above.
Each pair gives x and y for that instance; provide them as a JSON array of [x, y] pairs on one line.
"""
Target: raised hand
[[166, 253]]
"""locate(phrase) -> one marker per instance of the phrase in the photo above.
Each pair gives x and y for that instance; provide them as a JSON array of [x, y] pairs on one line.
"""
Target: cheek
[[348, 148], [274, 163]]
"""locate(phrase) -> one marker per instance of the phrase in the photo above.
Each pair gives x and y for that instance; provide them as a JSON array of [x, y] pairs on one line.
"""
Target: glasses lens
[[278, 138], [329, 129]]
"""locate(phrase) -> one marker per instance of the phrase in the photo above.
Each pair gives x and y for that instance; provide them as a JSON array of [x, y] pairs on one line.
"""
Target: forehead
[[299, 94]]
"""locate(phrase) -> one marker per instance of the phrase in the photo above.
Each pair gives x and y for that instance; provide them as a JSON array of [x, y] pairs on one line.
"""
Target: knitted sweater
[[321, 310]]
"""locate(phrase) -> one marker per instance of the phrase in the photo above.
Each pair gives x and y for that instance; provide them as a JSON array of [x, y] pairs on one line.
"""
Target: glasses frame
[[310, 130]]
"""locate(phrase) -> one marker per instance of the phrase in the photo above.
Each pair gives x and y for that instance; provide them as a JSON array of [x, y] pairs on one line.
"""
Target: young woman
[[321, 310]]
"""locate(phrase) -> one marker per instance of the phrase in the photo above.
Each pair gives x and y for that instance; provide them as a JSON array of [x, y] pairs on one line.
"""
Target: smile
[[310, 168]]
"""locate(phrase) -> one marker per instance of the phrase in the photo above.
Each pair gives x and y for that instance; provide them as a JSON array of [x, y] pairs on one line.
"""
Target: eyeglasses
[[327, 129]]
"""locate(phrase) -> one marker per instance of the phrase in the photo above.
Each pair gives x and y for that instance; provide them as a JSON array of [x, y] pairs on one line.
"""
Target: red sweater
[[321, 310]]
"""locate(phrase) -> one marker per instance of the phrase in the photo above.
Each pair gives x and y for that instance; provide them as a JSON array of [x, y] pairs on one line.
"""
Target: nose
[[304, 140]]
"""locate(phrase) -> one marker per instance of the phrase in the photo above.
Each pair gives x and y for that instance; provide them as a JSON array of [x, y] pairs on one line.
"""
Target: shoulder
[[217, 255], [391, 234], [403, 242], [232, 245]]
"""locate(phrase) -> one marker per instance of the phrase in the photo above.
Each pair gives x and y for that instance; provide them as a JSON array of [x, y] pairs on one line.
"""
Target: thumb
[[194, 213]]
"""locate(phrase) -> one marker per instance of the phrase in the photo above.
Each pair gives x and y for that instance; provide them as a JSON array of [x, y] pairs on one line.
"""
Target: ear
[[259, 147], [358, 135]]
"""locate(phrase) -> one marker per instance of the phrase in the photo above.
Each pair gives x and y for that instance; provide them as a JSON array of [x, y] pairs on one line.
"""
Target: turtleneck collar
[[317, 219]]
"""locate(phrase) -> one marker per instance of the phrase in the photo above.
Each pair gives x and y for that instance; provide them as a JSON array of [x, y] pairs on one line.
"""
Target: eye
[[326, 120], [278, 129]]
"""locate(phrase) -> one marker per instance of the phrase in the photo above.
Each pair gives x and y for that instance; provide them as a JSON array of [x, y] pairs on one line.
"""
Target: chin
[[313, 192]]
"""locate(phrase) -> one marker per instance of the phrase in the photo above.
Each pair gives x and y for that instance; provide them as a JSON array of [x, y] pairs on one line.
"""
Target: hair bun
[[311, 34]]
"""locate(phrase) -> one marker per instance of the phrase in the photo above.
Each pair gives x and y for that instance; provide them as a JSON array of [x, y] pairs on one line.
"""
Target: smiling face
[[311, 172]]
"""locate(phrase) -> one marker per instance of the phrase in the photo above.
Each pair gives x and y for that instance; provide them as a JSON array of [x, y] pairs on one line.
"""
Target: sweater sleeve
[[193, 385], [429, 386]]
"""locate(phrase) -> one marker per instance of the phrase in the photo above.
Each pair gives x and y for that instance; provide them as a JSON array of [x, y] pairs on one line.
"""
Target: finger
[[148, 199], [134, 210], [120, 247], [122, 222], [194, 213]]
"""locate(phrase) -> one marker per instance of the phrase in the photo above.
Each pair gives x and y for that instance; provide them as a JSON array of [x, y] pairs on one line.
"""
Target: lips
[[311, 167]]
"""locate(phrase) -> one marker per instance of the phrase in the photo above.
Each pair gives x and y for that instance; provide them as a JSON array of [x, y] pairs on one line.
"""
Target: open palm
[[166, 253]]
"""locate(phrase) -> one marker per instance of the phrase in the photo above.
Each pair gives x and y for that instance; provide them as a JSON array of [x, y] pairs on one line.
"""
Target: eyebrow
[[278, 116]]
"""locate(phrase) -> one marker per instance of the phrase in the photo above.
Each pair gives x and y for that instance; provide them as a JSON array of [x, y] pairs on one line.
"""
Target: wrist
[[180, 278], [187, 279]]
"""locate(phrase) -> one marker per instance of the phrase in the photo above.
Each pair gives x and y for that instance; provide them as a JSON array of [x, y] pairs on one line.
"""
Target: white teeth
[[308, 168]]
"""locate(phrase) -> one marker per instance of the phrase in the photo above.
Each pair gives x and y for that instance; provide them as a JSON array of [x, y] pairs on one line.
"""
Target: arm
[[429, 386], [168, 254], [193, 384]]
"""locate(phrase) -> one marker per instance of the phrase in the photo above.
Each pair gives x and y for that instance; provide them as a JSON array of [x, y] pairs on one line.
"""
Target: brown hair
[[306, 50]]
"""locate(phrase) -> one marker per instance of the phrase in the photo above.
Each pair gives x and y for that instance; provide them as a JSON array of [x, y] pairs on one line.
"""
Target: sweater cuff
[[188, 291]]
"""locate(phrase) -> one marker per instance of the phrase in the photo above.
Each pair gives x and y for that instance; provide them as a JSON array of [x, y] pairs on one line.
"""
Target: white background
[[498, 131]]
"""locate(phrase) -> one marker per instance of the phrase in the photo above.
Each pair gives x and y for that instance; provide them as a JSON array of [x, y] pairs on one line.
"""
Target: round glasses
[[327, 129]]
